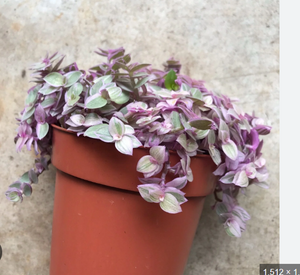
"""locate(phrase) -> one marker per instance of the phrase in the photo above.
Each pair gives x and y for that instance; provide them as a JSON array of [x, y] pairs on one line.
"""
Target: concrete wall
[[231, 44]]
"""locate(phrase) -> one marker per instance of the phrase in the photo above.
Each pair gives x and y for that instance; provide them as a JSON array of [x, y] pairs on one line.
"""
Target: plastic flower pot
[[101, 224]]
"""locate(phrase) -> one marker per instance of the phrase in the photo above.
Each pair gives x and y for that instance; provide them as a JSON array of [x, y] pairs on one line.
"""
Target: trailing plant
[[133, 105]]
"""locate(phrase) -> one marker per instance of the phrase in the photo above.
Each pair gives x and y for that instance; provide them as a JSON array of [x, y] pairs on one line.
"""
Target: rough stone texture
[[231, 44]]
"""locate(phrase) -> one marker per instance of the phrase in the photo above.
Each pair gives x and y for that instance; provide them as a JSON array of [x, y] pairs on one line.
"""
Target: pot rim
[[95, 151], [141, 147]]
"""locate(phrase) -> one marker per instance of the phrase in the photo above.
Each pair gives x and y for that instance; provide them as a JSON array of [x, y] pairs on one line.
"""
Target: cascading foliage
[[133, 105]]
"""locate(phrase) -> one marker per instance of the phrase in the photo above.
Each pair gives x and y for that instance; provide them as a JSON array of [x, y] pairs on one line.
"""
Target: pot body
[[101, 225]]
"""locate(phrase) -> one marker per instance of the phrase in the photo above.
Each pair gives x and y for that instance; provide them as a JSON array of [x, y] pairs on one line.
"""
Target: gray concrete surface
[[233, 45]]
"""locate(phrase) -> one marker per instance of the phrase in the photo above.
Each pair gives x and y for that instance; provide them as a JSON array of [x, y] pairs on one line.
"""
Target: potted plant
[[121, 130]]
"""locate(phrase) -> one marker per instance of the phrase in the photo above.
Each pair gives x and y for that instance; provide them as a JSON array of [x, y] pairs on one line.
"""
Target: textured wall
[[231, 44]]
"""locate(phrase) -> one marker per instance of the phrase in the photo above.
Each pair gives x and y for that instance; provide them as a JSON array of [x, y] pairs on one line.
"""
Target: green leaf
[[144, 192], [27, 190], [215, 154], [159, 153], [200, 134], [55, 68], [140, 74], [99, 132], [141, 82], [126, 58], [230, 149], [33, 176], [241, 179], [75, 89], [135, 141], [126, 86], [25, 178], [211, 137], [124, 145], [221, 208], [108, 109], [119, 54], [116, 127], [170, 204], [96, 87], [233, 230], [184, 87], [196, 94], [72, 77], [201, 124], [145, 165], [95, 101], [223, 126], [188, 144], [92, 131], [28, 113], [73, 93], [32, 96], [105, 79], [48, 102], [92, 119], [175, 120], [180, 198], [16, 185], [47, 90], [146, 120], [199, 102], [170, 81], [117, 95], [119, 65], [228, 177], [55, 79], [42, 130], [138, 67], [14, 196]]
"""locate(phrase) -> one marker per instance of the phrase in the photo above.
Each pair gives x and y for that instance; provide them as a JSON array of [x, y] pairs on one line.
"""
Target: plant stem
[[216, 196]]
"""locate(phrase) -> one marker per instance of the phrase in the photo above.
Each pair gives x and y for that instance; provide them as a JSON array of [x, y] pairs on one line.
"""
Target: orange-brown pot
[[101, 225]]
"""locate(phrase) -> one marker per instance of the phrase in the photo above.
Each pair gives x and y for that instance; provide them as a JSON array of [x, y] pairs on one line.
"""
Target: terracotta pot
[[101, 225]]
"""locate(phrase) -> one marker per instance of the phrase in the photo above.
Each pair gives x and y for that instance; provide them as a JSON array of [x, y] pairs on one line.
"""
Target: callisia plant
[[134, 105]]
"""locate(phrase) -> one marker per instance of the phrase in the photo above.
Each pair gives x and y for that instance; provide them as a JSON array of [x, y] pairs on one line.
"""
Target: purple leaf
[[233, 229], [220, 170], [39, 114], [177, 182]]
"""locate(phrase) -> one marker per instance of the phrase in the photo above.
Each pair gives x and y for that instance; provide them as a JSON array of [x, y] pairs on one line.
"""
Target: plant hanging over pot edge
[[134, 105]]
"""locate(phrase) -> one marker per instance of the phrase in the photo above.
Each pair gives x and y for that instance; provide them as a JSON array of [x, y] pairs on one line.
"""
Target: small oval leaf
[[170, 204], [72, 77], [42, 130], [55, 79], [95, 101], [201, 124]]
